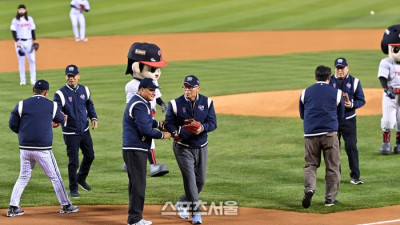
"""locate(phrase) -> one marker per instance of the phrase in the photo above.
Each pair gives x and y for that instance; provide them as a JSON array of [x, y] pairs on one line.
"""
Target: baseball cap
[[147, 53], [41, 85], [148, 83], [71, 70], [341, 62], [192, 81], [22, 6]]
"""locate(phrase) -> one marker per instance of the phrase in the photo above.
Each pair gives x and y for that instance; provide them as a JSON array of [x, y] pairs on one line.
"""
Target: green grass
[[119, 17], [256, 161]]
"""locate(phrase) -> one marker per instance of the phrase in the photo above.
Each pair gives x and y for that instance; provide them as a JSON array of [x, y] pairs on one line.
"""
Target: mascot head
[[145, 61], [390, 43]]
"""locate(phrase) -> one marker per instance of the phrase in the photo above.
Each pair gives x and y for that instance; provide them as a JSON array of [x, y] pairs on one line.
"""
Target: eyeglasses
[[188, 88]]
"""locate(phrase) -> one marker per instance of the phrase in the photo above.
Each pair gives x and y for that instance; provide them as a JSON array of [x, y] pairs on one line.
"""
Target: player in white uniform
[[23, 31], [389, 77], [77, 16]]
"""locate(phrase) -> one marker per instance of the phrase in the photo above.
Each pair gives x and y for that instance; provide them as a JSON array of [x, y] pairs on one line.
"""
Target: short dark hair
[[322, 73], [39, 91]]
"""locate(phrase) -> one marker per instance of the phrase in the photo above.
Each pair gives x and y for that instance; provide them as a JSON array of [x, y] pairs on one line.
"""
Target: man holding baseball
[[189, 119], [353, 99]]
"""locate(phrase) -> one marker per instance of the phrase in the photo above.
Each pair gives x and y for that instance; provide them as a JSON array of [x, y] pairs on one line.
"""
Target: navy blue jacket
[[31, 120], [321, 108], [77, 105], [352, 87], [202, 111], [138, 124]]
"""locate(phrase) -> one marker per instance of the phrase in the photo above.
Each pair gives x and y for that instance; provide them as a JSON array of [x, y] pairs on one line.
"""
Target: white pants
[[75, 19], [390, 113], [26, 47], [48, 163]]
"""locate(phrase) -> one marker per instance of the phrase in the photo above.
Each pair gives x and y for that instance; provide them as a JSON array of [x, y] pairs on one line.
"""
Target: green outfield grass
[[172, 16], [256, 161]]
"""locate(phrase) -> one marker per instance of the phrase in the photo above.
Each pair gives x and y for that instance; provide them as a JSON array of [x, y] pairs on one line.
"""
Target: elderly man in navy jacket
[[75, 102], [191, 148], [138, 132], [321, 108], [353, 99]]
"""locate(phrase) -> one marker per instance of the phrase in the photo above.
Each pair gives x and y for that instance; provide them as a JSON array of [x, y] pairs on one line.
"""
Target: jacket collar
[[141, 98], [71, 88]]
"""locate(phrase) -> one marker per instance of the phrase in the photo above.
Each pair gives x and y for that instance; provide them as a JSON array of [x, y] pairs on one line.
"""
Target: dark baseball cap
[[341, 62], [71, 70], [147, 53], [21, 6], [192, 81], [148, 83], [41, 85]]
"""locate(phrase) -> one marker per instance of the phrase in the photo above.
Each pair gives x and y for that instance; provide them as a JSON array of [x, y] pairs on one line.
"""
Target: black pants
[[348, 130], [136, 162], [74, 142]]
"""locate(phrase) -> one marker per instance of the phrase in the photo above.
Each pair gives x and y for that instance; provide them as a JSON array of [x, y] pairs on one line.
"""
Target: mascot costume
[[389, 77], [145, 61]]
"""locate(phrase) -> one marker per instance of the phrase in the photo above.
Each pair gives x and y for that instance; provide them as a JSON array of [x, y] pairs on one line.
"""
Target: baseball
[[372, 12]]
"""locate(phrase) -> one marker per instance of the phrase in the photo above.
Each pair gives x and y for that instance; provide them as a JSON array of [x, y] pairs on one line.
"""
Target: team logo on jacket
[[82, 96], [184, 109], [334, 85], [70, 99], [348, 85], [201, 107]]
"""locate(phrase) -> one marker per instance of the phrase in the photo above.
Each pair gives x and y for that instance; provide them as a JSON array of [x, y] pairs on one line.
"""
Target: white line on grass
[[383, 222]]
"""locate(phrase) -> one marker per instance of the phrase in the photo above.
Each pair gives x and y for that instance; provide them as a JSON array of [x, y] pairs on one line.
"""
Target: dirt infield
[[56, 53]]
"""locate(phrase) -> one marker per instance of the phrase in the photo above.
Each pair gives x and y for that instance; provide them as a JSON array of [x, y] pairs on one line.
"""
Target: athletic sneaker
[[356, 181], [75, 194], [84, 185], [15, 211], [196, 219], [69, 209], [331, 202], [307, 198], [142, 222], [182, 211]]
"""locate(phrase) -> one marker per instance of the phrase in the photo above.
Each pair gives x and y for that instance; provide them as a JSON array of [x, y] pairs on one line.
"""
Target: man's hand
[[347, 102], [94, 124]]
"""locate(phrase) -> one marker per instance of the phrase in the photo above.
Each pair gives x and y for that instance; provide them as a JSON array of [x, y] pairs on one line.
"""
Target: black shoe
[[84, 185], [75, 194], [356, 181], [307, 198], [69, 209], [331, 202], [15, 211]]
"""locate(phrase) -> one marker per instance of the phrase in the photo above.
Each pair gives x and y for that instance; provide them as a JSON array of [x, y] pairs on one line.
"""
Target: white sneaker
[[22, 83], [142, 222], [182, 211], [77, 39], [33, 82], [85, 39]]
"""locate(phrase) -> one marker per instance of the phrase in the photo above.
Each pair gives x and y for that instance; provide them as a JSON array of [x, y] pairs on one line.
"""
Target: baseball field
[[254, 58]]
